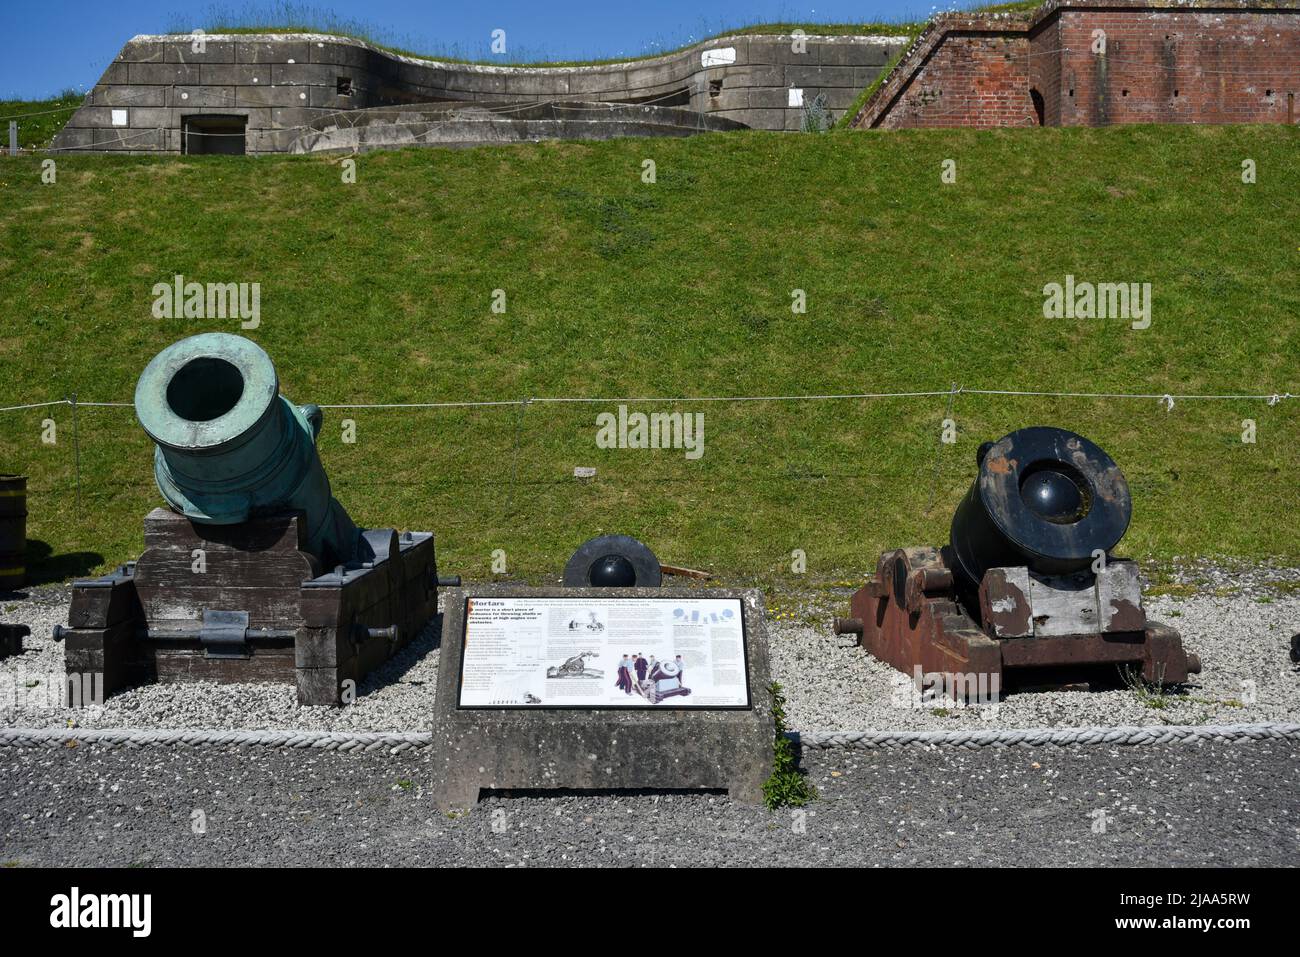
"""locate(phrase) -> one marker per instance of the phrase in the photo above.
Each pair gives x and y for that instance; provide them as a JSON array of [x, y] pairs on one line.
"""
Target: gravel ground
[[1168, 805], [1238, 619]]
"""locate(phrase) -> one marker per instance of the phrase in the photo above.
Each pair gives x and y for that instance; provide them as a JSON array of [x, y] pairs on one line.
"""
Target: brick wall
[[1045, 69], [1169, 66], [969, 80], [1233, 62]]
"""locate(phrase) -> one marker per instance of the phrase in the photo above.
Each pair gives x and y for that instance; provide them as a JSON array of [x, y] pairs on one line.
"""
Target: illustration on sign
[[604, 653]]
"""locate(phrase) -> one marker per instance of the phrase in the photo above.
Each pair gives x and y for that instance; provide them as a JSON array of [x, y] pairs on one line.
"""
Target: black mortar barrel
[[1044, 498], [13, 532]]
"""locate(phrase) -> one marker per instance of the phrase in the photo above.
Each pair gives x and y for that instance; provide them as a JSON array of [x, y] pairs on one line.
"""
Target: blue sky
[[49, 46]]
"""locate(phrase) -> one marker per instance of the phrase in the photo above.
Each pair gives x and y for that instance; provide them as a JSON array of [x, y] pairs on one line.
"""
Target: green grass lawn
[[380, 292]]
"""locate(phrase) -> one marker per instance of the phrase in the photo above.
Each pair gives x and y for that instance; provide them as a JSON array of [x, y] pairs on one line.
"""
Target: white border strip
[[395, 742]]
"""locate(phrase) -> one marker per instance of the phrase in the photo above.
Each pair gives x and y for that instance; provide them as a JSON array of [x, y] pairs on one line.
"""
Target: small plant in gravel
[[1217, 702], [788, 786], [1150, 694], [1176, 589]]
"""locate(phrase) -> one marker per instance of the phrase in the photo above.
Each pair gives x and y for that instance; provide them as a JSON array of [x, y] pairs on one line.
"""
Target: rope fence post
[[938, 450], [76, 451], [514, 455], [13, 137]]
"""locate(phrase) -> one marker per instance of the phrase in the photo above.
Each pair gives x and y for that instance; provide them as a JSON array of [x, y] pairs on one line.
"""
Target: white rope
[[35, 405], [1272, 398], [395, 742], [1036, 737], [138, 738]]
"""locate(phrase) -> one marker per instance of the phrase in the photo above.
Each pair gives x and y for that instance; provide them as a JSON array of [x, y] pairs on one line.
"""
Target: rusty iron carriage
[[255, 572], [1026, 594]]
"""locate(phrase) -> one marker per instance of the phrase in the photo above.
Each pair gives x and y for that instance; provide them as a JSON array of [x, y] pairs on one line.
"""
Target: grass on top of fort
[[291, 17], [381, 292]]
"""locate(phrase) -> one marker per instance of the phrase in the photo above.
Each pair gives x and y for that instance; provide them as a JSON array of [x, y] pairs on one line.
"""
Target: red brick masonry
[[1098, 62]]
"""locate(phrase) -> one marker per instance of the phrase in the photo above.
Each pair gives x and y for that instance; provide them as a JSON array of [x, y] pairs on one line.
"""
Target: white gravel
[[1239, 621]]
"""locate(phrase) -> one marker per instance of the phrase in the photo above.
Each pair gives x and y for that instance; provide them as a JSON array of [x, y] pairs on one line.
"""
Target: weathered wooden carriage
[[256, 573]]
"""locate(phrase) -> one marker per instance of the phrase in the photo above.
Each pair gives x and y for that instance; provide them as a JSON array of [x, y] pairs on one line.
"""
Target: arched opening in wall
[[213, 134], [1040, 107]]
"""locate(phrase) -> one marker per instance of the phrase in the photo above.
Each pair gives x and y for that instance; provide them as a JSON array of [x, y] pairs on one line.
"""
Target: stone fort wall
[[282, 84]]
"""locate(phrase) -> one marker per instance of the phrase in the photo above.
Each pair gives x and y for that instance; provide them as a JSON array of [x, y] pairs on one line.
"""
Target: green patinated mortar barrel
[[231, 448], [13, 532]]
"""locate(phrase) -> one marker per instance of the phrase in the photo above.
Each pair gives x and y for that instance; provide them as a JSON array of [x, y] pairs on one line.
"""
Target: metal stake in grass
[[76, 451]]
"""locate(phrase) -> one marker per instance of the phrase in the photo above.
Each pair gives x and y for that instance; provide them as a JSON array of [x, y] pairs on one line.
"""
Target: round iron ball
[[1053, 495], [612, 571]]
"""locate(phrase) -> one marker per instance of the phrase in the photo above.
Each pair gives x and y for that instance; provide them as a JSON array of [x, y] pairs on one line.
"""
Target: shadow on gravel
[[44, 567], [395, 669]]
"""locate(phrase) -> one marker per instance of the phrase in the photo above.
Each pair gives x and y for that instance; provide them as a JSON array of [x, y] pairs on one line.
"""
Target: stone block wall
[[283, 84]]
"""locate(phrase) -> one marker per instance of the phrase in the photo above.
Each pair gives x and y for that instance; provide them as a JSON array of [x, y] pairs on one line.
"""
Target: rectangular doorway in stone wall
[[214, 134]]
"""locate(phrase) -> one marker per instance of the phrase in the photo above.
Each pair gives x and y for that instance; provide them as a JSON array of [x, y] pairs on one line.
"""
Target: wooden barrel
[[13, 531]]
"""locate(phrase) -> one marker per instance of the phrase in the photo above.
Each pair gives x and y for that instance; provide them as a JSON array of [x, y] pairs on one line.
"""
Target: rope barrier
[[35, 405], [138, 738], [1037, 737], [1272, 398], [399, 741]]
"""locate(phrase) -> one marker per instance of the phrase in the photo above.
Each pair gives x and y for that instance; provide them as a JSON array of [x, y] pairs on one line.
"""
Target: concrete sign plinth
[[510, 714]]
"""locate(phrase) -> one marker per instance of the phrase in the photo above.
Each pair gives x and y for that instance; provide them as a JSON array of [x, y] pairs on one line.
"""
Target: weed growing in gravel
[[788, 786], [1149, 694], [1226, 702]]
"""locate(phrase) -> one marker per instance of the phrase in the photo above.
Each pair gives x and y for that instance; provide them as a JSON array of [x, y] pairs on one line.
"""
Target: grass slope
[[380, 292], [38, 120]]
